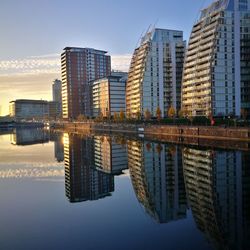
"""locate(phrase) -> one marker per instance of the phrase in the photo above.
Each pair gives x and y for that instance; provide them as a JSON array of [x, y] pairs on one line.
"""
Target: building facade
[[109, 94], [110, 155], [155, 73], [218, 192], [216, 79], [82, 181], [57, 96], [157, 177], [80, 66], [31, 136], [23, 109]]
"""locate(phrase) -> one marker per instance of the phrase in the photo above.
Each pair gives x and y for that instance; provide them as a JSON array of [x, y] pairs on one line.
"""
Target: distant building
[[109, 94], [57, 96], [53, 110], [23, 109], [155, 73], [216, 79], [80, 66]]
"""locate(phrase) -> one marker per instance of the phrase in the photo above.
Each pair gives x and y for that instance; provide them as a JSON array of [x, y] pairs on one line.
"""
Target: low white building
[[23, 109]]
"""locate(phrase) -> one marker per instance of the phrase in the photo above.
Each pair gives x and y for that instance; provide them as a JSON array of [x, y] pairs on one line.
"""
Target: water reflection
[[157, 177], [168, 180], [110, 154], [218, 188], [31, 136], [57, 138], [82, 181]]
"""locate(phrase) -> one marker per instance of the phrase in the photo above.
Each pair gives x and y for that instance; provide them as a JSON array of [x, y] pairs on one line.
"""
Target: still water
[[66, 191]]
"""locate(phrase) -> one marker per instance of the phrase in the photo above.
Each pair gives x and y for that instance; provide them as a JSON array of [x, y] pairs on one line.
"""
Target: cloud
[[121, 62], [45, 64], [32, 170], [50, 64], [25, 86], [32, 77]]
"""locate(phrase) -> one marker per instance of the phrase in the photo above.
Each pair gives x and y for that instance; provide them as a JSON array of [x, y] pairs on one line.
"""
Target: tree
[[138, 115], [148, 146], [183, 113], [158, 113], [172, 150], [244, 114], [108, 115], [122, 115], [81, 118], [101, 116], [147, 115], [171, 112], [159, 148], [116, 117], [180, 113]]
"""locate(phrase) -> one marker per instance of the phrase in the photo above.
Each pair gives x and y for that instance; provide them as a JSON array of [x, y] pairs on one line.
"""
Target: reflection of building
[[217, 70], [29, 136], [59, 148], [109, 94], [29, 109], [57, 96], [155, 73], [217, 184], [80, 66], [110, 155], [82, 181], [157, 177]]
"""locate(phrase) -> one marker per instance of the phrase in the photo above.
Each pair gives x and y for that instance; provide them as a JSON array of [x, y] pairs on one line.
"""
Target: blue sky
[[34, 32], [37, 27]]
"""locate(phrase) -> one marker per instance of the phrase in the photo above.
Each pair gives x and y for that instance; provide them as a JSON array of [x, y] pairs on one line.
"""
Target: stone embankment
[[202, 132]]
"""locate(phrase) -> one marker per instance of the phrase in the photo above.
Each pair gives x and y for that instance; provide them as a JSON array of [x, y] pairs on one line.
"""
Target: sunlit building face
[[155, 73], [79, 67], [216, 79]]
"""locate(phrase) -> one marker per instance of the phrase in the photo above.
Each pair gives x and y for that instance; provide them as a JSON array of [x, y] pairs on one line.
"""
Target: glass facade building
[[155, 73], [109, 94], [24, 109], [216, 79]]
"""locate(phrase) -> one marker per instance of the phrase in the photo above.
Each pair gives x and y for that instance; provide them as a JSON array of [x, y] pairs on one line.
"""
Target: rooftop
[[29, 101], [85, 49]]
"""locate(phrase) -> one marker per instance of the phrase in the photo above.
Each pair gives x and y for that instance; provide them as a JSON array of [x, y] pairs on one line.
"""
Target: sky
[[33, 33]]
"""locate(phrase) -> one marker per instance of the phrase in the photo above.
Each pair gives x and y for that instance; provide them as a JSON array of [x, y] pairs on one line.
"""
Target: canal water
[[68, 191]]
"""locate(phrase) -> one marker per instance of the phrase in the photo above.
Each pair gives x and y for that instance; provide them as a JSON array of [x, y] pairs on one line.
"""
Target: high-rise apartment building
[[79, 67], [109, 94], [155, 73], [57, 96], [216, 79]]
